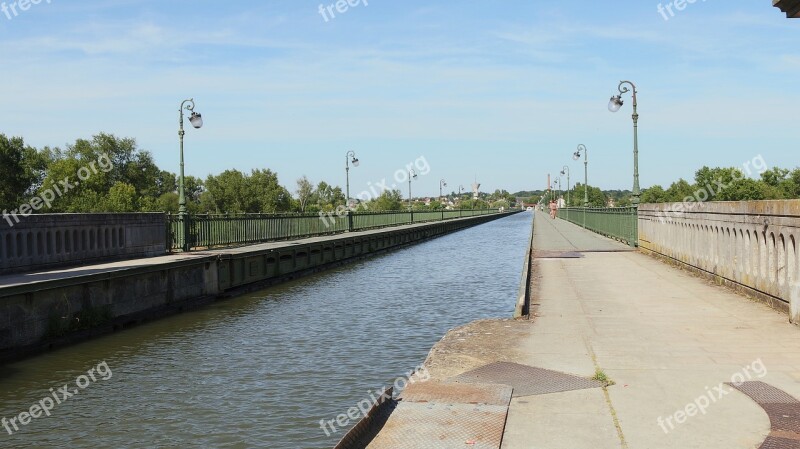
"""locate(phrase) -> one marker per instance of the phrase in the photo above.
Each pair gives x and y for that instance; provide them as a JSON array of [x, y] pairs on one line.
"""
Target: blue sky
[[504, 90]]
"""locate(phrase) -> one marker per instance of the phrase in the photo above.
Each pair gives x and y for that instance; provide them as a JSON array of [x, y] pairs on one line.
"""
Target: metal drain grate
[[550, 254], [453, 393], [764, 393], [526, 380], [438, 426], [783, 411], [780, 443]]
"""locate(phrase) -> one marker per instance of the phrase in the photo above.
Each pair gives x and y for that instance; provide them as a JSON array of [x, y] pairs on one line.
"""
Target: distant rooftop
[[790, 7]]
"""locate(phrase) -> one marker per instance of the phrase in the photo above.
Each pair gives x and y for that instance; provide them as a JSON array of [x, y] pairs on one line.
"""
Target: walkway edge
[[523, 297]]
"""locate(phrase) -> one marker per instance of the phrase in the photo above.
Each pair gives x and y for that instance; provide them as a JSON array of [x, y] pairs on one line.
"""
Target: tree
[[93, 167], [436, 205], [474, 204], [329, 197], [120, 198], [596, 196], [500, 203], [305, 191], [389, 200], [655, 194], [782, 183], [21, 171], [679, 191], [260, 192]]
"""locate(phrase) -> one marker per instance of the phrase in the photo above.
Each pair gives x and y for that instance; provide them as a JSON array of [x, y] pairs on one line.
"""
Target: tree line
[[709, 184], [133, 182], [728, 184]]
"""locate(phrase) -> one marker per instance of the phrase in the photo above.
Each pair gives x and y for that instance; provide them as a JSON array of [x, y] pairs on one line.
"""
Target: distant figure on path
[[553, 209]]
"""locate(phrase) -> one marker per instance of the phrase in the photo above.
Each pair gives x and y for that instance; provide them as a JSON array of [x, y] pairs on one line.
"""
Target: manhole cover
[[526, 380], [783, 411]]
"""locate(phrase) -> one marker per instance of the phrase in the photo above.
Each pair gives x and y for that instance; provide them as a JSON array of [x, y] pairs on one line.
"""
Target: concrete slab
[[665, 337], [560, 235]]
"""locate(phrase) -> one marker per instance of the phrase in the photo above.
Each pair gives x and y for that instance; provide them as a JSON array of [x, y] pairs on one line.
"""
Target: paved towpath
[[669, 340]]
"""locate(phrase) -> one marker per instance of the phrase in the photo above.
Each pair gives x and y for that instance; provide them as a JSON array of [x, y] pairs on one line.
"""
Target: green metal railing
[[620, 223], [209, 231]]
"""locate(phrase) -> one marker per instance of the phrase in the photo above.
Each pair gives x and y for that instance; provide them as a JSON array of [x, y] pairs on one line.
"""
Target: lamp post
[[349, 157], [558, 191], [197, 122], [614, 105], [460, 197], [577, 156], [442, 184], [412, 175], [563, 171]]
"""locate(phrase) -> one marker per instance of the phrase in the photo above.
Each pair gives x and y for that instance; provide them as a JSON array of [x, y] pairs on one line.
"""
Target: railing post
[[185, 244], [350, 220], [170, 237]]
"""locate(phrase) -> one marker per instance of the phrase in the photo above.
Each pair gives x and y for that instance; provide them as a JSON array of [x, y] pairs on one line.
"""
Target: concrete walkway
[[667, 339]]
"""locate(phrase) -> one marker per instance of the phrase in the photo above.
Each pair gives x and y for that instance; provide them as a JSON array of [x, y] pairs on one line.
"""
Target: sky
[[498, 91]]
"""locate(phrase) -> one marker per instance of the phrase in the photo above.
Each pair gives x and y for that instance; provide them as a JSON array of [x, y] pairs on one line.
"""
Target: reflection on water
[[261, 371]]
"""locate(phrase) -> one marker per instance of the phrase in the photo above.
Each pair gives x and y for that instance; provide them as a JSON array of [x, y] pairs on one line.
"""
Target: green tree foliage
[[21, 171], [328, 197], [728, 184], [389, 200], [596, 196], [259, 192], [474, 204], [120, 198], [305, 193], [93, 167]]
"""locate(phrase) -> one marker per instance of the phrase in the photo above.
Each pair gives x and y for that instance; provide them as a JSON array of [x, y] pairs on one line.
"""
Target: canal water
[[262, 370]]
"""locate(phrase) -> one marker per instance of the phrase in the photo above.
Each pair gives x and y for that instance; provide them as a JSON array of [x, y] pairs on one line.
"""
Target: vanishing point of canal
[[262, 370]]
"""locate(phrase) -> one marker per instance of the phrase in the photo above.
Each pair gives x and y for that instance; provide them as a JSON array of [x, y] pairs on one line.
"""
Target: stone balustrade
[[51, 240]]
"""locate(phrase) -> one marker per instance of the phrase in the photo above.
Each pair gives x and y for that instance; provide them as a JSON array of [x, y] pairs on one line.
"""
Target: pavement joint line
[[614, 417], [561, 233]]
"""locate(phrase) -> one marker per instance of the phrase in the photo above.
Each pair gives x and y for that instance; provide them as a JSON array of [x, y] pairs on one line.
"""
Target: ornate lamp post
[[350, 157], [197, 122], [412, 175], [614, 105], [460, 197], [557, 182], [577, 156], [442, 184], [565, 170]]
